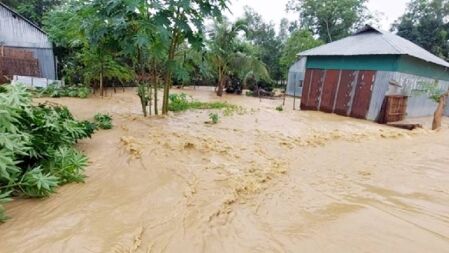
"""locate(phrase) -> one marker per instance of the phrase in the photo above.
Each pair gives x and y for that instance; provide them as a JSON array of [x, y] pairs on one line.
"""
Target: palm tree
[[228, 56]]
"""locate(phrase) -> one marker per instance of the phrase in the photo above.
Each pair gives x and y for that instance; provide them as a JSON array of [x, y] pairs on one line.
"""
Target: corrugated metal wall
[[419, 104], [18, 33], [295, 76]]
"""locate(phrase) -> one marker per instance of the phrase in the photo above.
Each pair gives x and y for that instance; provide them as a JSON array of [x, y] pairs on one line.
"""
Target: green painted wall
[[394, 63], [356, 62], [415, 66]]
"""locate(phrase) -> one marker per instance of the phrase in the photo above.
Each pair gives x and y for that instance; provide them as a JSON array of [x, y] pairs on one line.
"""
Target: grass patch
[[79, 91], [183, 102]]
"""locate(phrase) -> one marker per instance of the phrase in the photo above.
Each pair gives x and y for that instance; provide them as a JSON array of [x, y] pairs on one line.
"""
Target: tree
[[425, 23], [330, 19], [230, 56], [299, 41], [87, 27], [179, 21], [263, 36], [34, 10]]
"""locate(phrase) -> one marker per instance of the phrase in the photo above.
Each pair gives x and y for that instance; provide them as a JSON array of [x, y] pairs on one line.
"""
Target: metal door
[[329, 90], [315, 89], [306, 89], [343, 101], [362, 95]]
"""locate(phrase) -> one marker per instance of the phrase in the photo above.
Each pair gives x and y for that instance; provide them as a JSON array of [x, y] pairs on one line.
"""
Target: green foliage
[[53, 90], [103, 121], [279, 108], [431, 89], [299, 41], [33, 10], [267, 44], [3, 199], [329, 19], [36, 146], [425, 23], [214, 118], [182, 102], [230, 56]]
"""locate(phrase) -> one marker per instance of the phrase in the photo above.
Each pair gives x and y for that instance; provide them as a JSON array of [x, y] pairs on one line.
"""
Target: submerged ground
[[258, 181]]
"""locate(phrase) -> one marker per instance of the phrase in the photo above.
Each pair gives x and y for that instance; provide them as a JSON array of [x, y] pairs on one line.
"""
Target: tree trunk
[[144, 106], [438, 115], [101, 83], [156, 112], [221, 80]]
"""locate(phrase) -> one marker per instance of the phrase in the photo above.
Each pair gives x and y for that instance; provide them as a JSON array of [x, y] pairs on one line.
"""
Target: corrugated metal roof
[[372, 41], [22, 17]]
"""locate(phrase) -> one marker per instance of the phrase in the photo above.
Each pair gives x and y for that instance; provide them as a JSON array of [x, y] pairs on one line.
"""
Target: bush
[[279, 108], [214, 118], [36, 146], [103, 121], [68, 91], [181, 102]]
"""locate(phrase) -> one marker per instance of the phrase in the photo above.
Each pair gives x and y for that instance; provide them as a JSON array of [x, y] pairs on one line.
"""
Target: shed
[[365, 74], [25, 49]]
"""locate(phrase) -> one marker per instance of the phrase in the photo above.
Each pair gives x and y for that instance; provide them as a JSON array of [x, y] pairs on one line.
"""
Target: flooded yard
[[258, 181]]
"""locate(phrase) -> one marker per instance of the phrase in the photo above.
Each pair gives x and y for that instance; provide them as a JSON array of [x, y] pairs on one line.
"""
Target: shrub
[[279, 108], [36, 146], [181, 102], [54, 90], [214, 118], [103, 121]]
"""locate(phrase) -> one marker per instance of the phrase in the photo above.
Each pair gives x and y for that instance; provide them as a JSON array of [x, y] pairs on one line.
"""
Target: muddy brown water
[[258, 181]]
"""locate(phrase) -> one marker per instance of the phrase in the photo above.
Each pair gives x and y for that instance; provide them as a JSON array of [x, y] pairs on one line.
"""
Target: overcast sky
[[274, 10]]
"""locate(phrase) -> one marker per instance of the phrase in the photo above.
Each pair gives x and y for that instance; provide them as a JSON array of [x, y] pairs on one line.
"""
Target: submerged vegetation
[[214, 118], [37, 151], [52, 90], [103, 121], [183, 102]]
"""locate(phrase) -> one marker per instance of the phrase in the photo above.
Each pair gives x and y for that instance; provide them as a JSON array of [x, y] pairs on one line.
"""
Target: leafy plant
[[182, 102], [36, 146], [54, 90], [103, 121], [279, 108], [214, 118]]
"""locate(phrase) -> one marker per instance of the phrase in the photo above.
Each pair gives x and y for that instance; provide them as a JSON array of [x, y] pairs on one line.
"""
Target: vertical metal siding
[[295, 76], [380, 88], [18, 33], [419, 104], [14, 31]]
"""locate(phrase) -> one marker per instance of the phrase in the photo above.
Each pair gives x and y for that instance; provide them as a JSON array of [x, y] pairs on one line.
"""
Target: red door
[[347, 80], [306, 89], [362, 95], [315, 89], [329, 90]]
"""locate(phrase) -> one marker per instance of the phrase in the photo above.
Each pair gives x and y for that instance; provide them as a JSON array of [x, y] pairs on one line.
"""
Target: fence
[[35, 82]]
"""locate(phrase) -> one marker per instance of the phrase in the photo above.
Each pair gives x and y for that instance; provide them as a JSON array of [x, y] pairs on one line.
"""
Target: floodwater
[[258, 181]]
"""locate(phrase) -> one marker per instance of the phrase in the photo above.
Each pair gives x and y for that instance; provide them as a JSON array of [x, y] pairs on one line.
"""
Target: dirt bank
[[261, 181]]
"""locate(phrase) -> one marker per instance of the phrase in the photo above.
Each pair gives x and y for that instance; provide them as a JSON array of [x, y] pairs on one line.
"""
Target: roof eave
[[22, 17]]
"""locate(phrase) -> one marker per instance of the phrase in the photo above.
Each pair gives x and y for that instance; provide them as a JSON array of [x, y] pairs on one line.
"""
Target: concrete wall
[[15, 32], [295, 76], [419, 104]]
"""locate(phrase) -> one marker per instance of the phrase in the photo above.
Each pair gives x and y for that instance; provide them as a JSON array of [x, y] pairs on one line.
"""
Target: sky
[[274, 10]]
